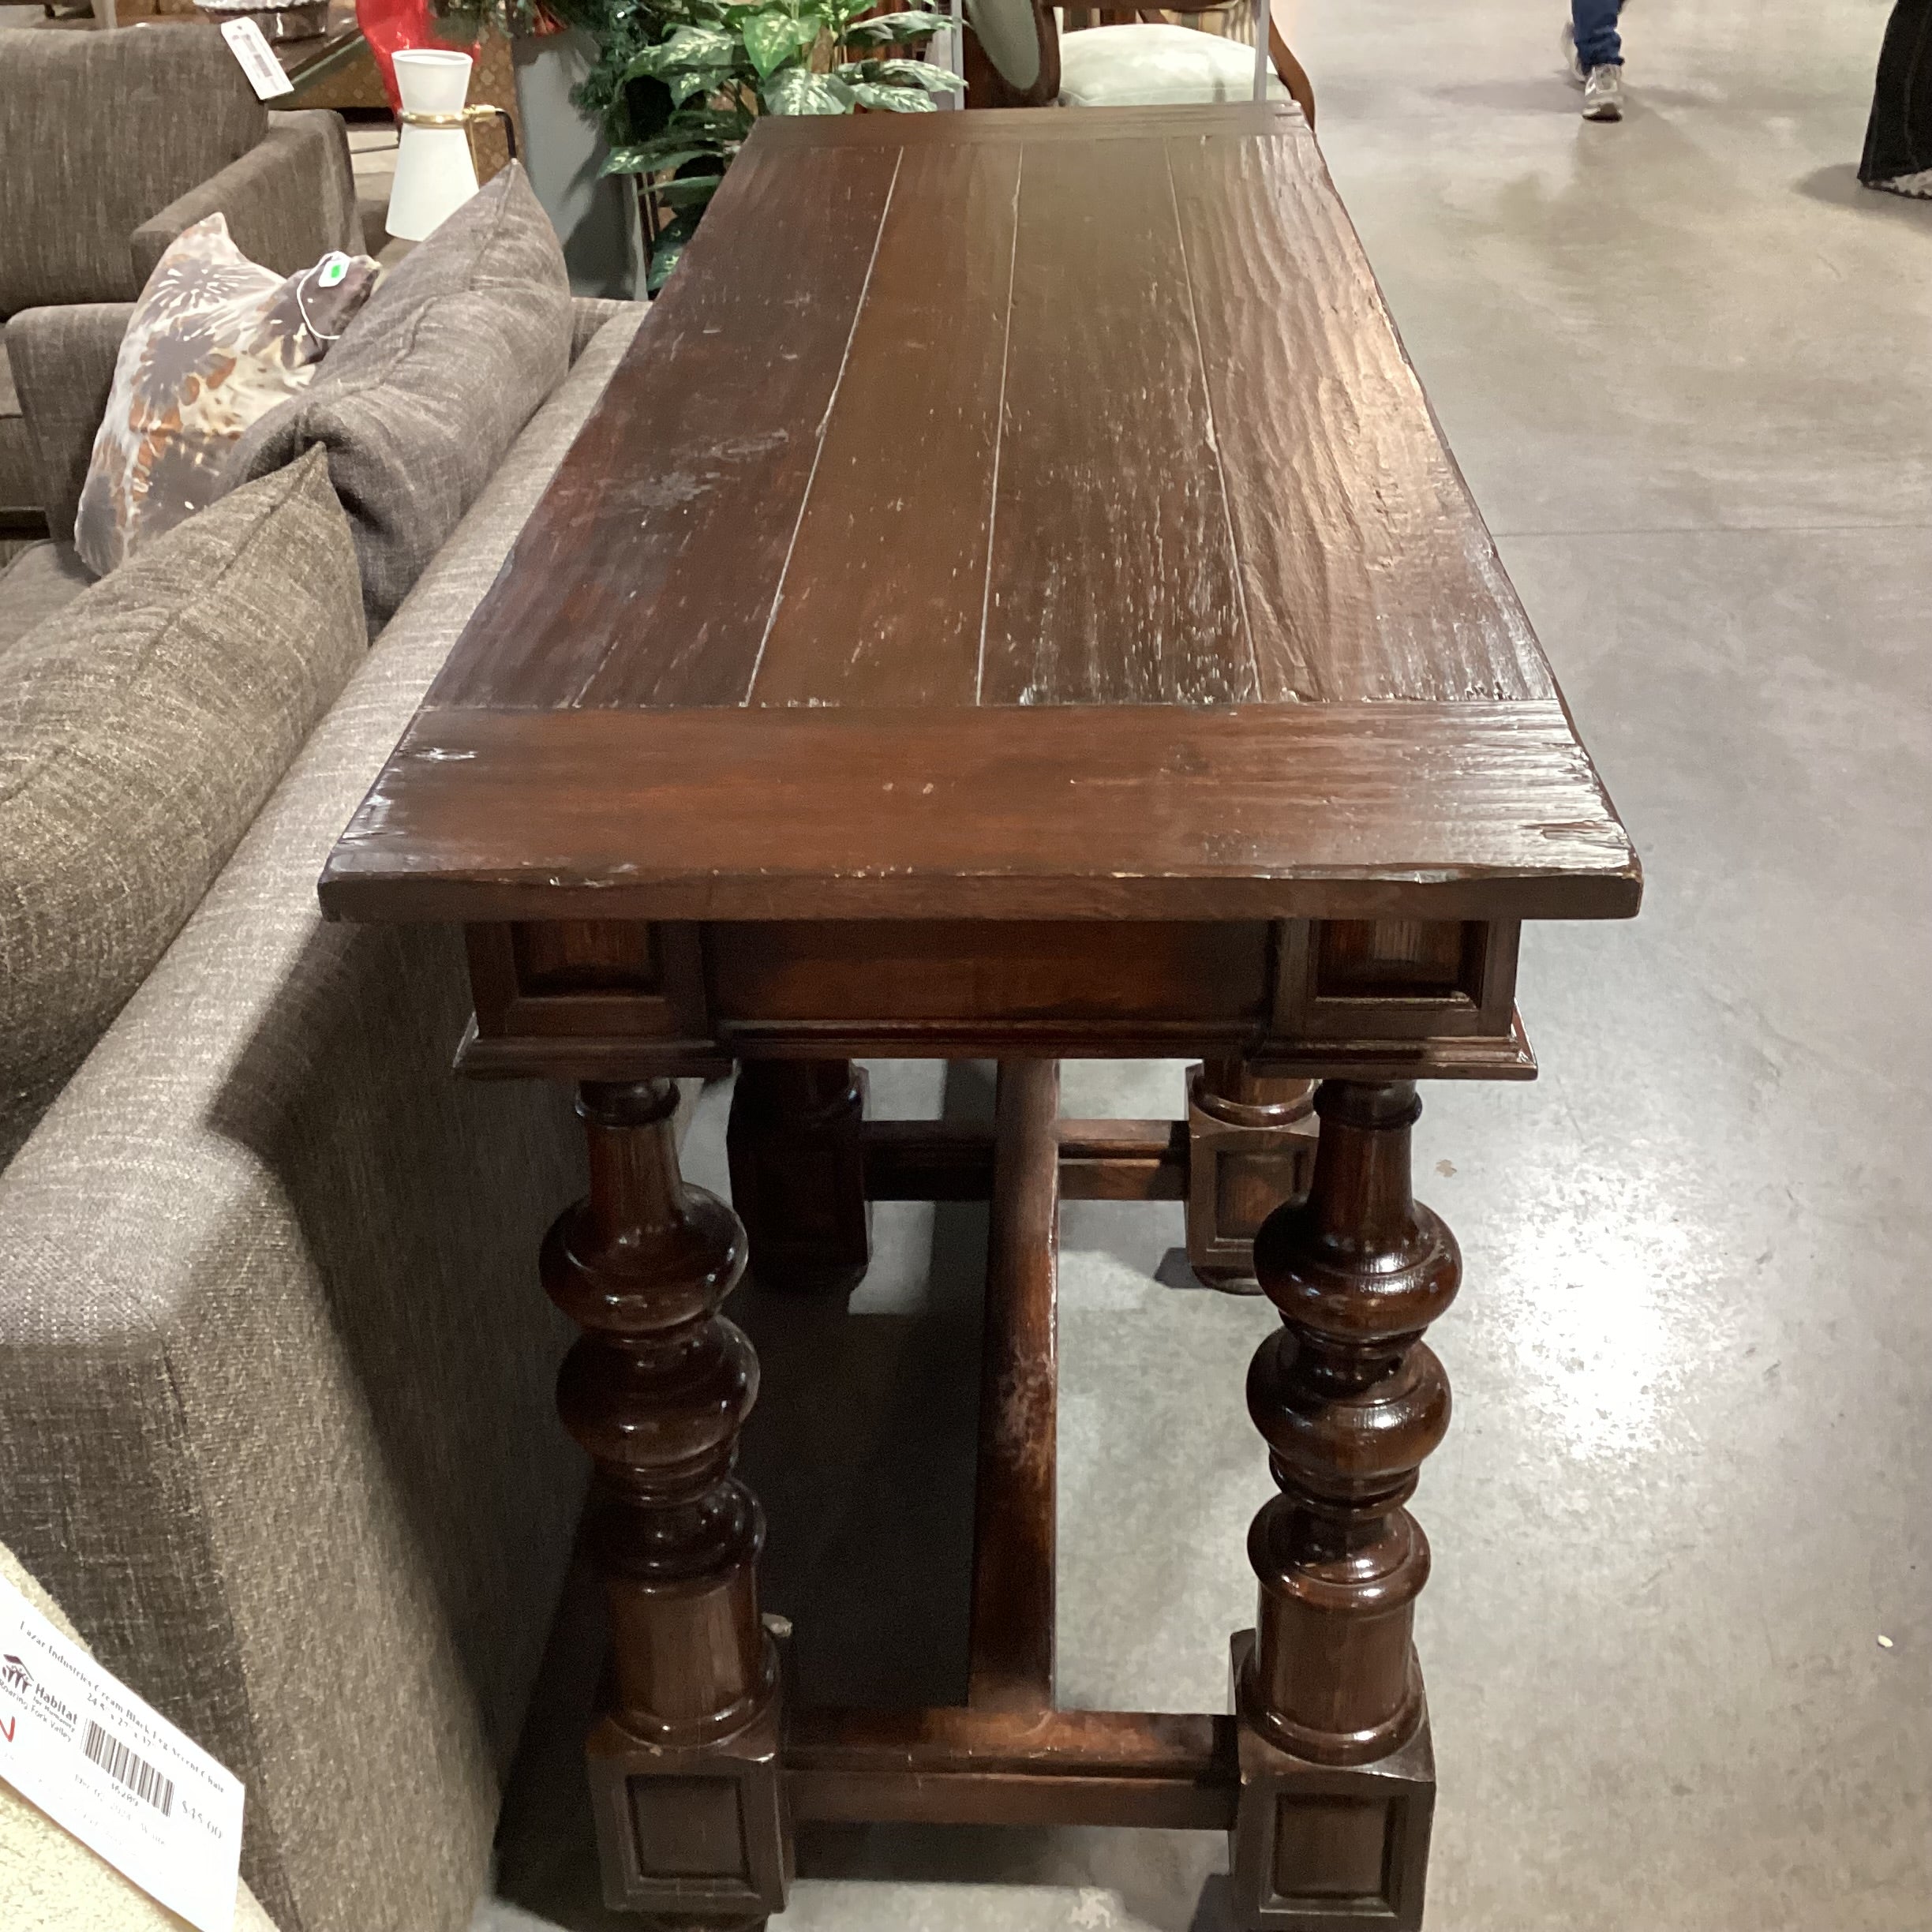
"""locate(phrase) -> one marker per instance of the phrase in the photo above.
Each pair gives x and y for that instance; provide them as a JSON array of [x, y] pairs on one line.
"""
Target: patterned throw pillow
[[216, 342]]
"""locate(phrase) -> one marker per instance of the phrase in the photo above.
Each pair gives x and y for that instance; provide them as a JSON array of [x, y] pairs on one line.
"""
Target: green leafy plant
[[721, 65], [678, 84]]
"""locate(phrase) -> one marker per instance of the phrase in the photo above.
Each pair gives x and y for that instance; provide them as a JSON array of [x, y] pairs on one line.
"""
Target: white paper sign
[[114, 1772], [263, 70]]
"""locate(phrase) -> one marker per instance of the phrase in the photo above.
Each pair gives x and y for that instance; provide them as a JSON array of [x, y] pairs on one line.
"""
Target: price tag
[[246, 43], [112, 1770]]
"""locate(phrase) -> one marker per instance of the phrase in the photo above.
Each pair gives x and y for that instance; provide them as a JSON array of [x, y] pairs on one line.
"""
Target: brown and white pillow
[[217, 341]]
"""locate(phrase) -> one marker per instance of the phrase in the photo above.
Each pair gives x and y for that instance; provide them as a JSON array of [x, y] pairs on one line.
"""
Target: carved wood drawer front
[[587, 980], [1306, 996]]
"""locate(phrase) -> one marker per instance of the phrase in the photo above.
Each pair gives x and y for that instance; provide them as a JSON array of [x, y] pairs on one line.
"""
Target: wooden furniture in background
[[1012, 47], [1078, 642]]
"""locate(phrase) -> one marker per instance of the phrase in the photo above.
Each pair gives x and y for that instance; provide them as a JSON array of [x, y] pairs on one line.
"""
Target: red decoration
[[390, 24]]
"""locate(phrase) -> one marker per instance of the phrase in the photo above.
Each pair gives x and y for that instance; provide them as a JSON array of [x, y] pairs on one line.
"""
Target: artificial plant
[[677, 85], [723, 64]]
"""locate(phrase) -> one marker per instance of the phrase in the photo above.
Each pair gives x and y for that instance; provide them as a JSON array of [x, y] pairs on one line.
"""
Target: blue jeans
[[1596, 23]]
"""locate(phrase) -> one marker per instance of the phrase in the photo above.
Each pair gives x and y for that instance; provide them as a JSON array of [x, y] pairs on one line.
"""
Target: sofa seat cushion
[[420, 401], [43, 578], [20, 492], [1156, 65], [140, 730]]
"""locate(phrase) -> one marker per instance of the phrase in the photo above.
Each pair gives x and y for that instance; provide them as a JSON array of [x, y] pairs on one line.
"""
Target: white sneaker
[[1603, 94], [1569, 53]]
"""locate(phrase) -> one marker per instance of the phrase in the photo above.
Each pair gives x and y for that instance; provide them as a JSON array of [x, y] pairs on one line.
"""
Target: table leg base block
[[1329, 1847], [698, 1838], [1239, 1170]]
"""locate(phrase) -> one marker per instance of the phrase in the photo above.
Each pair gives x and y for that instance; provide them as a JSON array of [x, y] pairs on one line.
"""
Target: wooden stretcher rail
[[1153, 1770], [953, 1160]]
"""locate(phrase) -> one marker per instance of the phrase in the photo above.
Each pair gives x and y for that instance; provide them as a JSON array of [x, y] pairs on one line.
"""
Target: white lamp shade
[[434, 173]]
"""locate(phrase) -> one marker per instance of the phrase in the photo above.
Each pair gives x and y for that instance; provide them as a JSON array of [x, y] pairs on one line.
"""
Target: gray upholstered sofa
[[110, 144], [275, 1374]]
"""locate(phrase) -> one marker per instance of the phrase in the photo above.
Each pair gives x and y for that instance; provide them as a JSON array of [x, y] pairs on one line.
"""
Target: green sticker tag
[[335, 271]]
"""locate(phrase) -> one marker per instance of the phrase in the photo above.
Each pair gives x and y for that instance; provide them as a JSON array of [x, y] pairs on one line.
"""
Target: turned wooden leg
[[798, 1172], [1251, 1146], [693, 1827], [1338, 1780]]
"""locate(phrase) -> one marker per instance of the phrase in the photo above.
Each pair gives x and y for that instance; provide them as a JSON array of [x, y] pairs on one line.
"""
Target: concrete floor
[[1684, 363]]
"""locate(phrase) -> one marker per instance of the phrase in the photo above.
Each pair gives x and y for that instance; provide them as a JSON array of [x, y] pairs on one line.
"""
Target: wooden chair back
[[1012, 49]]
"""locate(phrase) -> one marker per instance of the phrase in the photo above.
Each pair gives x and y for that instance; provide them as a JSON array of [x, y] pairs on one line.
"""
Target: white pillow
[[1156, 65]]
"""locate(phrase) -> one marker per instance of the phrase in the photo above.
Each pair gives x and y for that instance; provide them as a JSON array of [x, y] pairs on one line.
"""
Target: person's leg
[[1898, 142], [1595, 21]]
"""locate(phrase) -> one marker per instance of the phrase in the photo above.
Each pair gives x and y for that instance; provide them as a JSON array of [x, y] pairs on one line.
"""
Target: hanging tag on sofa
[[246, 42], [113, 1771]]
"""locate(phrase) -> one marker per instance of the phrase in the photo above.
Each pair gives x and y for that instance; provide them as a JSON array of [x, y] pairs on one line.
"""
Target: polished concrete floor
[[1688, 368]]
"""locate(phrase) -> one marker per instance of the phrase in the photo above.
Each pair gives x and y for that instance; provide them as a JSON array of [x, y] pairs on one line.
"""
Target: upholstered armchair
[[110, 144], [1018, 57]]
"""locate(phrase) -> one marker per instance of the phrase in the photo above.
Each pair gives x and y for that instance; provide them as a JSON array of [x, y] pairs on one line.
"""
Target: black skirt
[[1898, 144]]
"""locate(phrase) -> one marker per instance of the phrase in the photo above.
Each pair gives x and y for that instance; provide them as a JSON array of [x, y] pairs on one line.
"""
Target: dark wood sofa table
[[1013, 601]]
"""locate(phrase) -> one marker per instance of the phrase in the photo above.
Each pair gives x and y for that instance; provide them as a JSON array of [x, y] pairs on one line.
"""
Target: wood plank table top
[[1003, 515]]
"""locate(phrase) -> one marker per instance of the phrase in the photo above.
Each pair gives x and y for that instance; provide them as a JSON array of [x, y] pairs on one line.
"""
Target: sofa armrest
[[63, 364], [289, 201], [275, 1375], [589, 313]]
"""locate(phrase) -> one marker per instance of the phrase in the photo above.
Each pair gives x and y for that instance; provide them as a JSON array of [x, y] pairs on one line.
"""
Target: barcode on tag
[[108, 1767], [124, 1767], [250, 46]]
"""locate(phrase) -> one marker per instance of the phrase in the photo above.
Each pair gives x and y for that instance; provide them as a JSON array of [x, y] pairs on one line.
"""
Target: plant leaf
[[910, 73], [693, 191], [798, 91], [699, 82], [668, 249], [906, 29], [651, 157], [894, 99], [684, 48], [771, 39]]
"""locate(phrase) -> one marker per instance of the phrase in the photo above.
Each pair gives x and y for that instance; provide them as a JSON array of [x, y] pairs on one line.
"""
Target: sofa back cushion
[[141, 729], [99, 131], [431, 384]]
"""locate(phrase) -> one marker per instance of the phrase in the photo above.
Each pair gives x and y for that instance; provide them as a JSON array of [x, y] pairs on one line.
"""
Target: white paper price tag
[[114, 1772], [258, 62]]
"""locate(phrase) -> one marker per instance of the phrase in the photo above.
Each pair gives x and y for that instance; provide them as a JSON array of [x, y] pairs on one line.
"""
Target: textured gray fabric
[[140, 730], [63, 363], [431, 382], [277, 1373], [97, 131], [20, 494], [288, 201], [43, 578], [589, 313]]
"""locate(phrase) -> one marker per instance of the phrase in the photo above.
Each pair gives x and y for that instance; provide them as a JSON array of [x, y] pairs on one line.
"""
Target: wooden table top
[[1003, 515]]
